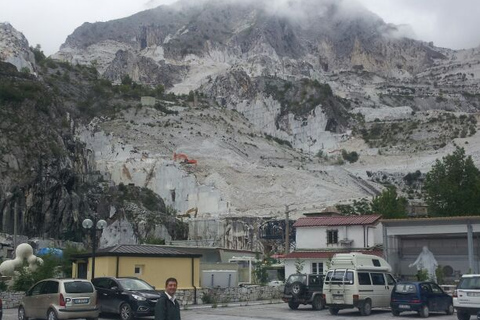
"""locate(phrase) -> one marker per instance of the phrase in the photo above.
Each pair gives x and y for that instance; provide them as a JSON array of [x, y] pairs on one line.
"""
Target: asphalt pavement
[[273, 310]]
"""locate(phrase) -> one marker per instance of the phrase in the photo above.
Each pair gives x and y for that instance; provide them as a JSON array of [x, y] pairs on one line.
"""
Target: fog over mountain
[[449, 24]]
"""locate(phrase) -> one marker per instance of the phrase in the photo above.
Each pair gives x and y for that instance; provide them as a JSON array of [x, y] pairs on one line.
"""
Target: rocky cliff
[[261, 105], [14, 49], [302, 36], [48, 178]]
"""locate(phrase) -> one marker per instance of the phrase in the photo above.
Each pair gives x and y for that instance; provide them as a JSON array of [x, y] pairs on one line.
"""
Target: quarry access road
[[275, 311]]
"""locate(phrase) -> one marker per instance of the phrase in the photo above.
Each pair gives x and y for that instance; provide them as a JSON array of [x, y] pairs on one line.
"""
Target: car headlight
[[139, 298]]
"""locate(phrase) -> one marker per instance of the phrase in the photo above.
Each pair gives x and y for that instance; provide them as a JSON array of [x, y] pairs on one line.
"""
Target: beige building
[[152, 263]]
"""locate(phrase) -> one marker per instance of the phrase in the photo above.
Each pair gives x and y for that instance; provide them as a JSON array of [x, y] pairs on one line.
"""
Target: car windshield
[[405, 288], [296, 278], [78, 287], [339, 276], [135, 284], [469, 283]]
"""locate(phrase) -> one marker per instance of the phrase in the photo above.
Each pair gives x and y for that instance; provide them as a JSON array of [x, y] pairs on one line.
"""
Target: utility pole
[[15, 226], [287, 230]]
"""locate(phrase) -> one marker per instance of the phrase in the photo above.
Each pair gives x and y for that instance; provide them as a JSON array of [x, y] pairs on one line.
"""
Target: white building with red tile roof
[[454, 242], [319, 238]]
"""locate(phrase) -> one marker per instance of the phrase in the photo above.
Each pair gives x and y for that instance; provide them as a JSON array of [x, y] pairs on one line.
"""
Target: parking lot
[[274, 311]]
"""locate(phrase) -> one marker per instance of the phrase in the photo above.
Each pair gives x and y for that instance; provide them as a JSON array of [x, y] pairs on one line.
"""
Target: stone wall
[[223, 296], [11, 299], [220, 296]]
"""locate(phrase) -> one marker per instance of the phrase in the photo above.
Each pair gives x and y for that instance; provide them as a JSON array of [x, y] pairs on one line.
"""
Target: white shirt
[[171, 298]]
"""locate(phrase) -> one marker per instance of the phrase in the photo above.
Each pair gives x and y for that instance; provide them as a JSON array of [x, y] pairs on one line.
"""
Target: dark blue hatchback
[[422, 297]]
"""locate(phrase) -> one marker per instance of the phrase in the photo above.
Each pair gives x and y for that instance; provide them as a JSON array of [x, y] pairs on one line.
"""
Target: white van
[[356, 280]]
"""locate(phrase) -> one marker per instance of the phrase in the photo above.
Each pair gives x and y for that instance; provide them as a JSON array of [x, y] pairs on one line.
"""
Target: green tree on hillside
[[452, 186], [38, 53], [358, 207], [389, 204]]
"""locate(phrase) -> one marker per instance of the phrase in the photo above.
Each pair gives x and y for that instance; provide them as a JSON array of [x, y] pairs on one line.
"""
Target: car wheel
[[125, 312], [317, 303], [51, 315], [298, 289], [450, 309], [293, 305], [333, 311], [21, 314], [462, 315], [424, 312], [396, 313], [366, 308]]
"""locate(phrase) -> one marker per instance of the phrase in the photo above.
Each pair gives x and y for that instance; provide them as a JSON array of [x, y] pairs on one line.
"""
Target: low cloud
[[452, 24]]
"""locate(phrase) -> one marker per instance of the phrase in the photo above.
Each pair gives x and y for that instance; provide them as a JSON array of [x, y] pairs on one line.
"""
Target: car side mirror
[[114, 288], [154, 288]]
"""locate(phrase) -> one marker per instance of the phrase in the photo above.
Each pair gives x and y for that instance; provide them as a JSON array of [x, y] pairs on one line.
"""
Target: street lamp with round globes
[[89, 225]]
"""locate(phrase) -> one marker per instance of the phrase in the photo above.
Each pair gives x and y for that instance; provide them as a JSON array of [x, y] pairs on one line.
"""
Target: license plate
[[404, 306], [337, 297], [81, 301], [473, 294]]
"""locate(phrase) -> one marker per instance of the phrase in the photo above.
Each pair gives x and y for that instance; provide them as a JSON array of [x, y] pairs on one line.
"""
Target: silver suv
[[54, 299], [466, 298]]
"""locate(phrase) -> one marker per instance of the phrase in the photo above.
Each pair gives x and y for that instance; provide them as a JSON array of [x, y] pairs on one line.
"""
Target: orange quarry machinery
[[182, 157]]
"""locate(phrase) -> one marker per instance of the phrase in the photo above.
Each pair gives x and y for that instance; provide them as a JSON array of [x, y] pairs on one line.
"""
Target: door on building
[[82, 270]]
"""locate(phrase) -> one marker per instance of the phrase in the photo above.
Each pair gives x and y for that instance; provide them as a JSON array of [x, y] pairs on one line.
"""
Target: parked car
[[304, 289], [128, 297], [54, 299], [1, 309], [422, 297], [466, 298], [357, 280]]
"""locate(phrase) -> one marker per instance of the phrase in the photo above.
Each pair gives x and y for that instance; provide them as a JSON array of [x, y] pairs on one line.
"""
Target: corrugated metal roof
[[337, 221], [432, 220], [324, 254], [144, 250]]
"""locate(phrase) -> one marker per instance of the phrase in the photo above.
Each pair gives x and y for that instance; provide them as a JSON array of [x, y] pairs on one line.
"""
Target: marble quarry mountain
[[249, 113]]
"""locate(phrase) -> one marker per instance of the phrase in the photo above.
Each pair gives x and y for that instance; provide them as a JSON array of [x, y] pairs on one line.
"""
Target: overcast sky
[[448, 23]]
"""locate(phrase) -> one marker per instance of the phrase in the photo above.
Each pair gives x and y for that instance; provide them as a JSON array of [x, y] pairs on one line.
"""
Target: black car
[[422, 297], [304, 289], [128, 297]]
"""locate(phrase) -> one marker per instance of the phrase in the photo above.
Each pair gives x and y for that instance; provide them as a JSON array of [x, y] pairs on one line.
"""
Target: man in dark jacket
[[167, 307]]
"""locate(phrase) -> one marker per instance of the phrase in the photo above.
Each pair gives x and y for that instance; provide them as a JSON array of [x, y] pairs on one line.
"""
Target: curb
[[231, 304]]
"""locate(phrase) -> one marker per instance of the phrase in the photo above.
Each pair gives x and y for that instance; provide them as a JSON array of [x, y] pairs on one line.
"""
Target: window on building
[[332, 236], [317, 267], [139, 269]]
